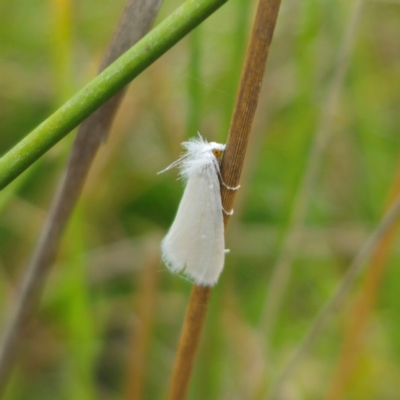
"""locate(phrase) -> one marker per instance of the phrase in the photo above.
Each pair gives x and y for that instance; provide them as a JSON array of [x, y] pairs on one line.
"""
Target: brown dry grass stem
[[189, 341], [337, 299], [358, 317], [136, 21], [232, 164]]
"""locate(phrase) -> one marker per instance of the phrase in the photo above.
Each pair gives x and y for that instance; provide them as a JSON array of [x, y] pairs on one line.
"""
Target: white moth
[[195, 242]]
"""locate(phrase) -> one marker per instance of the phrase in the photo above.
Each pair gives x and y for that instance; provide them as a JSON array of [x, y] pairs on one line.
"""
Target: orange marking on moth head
[[217, 153]]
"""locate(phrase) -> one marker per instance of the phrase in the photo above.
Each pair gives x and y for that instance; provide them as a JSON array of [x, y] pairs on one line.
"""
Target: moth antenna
[[174, 164], [182, 158]]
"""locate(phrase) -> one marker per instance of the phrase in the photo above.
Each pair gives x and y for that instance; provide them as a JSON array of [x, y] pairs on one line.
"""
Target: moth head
[[217, 153], [217, 149]]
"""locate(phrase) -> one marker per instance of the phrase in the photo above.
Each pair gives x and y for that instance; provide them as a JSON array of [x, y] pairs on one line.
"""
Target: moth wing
[[196, 237]]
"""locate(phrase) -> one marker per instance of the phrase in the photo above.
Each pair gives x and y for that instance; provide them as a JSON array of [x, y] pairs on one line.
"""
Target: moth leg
[[223, 183], [230, 187], [226, 212], [226, 251]]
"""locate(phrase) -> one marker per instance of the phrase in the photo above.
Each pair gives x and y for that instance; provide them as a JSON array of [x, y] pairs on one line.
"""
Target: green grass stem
[[104, 86]]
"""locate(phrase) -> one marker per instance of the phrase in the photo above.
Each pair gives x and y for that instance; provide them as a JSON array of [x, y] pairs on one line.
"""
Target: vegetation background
[[83, 341]]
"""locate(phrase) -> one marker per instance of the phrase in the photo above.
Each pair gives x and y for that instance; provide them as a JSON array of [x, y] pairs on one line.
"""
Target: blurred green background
[[84, 339]]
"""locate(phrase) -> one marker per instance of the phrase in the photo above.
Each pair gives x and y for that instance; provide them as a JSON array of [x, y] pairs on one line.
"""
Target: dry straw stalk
[[232, 164]]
